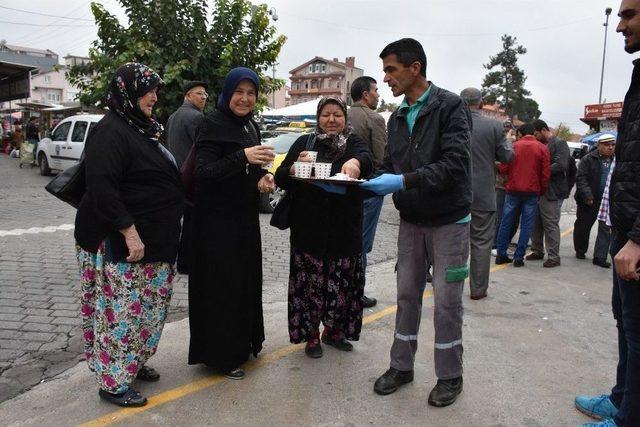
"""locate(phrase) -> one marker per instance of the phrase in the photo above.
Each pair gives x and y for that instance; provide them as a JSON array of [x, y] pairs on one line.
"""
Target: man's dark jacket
[[624, 190], [560, 158], [435, 160], [181, 130], [588, 179]]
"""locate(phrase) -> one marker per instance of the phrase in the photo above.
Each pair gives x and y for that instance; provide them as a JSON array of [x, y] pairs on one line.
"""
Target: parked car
[[65, 145], [281, 144], [578, 149]]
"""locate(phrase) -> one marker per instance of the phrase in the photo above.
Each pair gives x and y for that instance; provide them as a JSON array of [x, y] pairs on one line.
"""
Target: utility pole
[[607, 12]]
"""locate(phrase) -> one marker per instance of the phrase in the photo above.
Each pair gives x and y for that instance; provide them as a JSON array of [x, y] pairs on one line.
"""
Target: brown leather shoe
[[534, 256], [550, 263], [479, 296]]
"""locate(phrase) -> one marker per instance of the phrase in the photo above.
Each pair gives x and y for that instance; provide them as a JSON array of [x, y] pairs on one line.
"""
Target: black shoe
[[128, 399], [391, 380], [234, 374], [580, 255], [479, 296], [313, 349], [445, 392], [368, 302], [518, 263], [601, 263], [534, 256], [503, 260], [342, 344], [146, 373]]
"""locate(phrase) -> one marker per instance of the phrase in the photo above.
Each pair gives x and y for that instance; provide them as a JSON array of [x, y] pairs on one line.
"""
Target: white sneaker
[[494, 252]]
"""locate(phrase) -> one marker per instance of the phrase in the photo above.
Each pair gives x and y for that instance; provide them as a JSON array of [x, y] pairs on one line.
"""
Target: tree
[[505, 84], [387, 106], [175, 38], [564, 132]]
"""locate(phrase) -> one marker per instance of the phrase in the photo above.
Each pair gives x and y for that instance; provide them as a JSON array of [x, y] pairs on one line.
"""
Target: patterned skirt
[[327, 290], [123, 308]]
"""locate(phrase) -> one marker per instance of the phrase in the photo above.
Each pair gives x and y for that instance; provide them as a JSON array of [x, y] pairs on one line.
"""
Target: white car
[[66, 143]]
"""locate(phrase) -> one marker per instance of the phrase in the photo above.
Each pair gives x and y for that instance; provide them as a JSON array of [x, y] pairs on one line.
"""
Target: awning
[[34, 105], [15, 81]]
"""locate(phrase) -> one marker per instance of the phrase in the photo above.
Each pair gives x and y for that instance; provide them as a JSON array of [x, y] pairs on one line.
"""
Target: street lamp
[[607, 12]]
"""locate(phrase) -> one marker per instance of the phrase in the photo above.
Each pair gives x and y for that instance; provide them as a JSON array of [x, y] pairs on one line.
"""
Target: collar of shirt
[[419, 102]]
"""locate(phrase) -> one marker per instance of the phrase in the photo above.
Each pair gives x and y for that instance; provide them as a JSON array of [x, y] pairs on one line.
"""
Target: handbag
[[280, 218], [70, 185]]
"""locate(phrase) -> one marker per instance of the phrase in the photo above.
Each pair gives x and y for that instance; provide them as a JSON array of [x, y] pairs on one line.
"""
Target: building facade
[[323, 77]]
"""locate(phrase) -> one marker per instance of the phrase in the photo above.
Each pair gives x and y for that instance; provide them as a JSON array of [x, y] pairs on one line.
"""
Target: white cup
[[268, 165], [322, 170], [313, 155], [302, 169]]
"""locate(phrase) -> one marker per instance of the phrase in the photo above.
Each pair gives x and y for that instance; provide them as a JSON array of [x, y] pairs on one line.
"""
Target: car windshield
[[282, 142]]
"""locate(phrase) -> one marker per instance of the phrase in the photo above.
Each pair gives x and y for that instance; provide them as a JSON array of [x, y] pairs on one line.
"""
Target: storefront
[[602, 117]]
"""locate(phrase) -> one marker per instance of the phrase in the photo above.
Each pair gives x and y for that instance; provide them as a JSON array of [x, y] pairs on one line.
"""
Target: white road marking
[[36, 230]]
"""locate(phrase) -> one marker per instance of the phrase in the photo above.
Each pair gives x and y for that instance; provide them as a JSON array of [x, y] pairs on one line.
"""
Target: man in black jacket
[[427, 165], [592, 177], [622, 406], [547, 225]]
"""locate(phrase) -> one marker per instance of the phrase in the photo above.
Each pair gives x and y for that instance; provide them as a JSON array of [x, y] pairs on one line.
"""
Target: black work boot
[[445, 392], [391, 380]]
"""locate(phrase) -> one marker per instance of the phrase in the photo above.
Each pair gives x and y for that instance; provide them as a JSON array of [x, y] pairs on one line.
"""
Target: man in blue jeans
[[528, 178], [622, 406], [370, 126]]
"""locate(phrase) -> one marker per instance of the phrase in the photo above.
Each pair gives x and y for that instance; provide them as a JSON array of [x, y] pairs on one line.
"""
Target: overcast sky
[[564, 39]]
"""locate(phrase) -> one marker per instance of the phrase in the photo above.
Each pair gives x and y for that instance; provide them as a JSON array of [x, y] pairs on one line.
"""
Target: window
[[298, 86], [306, 85], [311, 68], [324, 67], [47, 79], [61, 132], [91, 126], [53, 96], [79, 131]]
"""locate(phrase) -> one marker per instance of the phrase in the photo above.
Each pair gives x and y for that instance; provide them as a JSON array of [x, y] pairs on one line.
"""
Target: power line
[[46, 14], [47, 25]]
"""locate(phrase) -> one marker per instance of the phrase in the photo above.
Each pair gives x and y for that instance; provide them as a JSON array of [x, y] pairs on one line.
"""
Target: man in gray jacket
[[370, 126], [182, 124], [547, 222], [181, 135], [488, 145]]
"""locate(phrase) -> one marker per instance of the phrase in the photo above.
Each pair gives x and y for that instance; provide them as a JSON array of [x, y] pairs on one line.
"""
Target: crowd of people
[[197, 201]]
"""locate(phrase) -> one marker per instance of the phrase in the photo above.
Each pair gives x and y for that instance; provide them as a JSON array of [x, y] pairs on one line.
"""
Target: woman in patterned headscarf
[[127, 232], [326, 277]]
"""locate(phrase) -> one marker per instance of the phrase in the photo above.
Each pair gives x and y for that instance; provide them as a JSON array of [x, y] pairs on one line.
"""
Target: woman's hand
[[134, 244], [260, 154], [305, 156], [266, 184], [352, 168]]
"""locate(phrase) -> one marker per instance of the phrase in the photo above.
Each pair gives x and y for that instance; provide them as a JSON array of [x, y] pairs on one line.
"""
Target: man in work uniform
[[370, 126], [427, 166], [181, 135]]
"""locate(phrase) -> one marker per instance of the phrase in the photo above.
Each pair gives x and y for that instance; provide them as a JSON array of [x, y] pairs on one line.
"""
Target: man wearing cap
[[590, 182], [547, 223], [488, 145], [181, 135]]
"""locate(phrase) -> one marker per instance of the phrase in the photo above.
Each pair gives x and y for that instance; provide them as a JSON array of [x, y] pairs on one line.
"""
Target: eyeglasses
[[202, 94]]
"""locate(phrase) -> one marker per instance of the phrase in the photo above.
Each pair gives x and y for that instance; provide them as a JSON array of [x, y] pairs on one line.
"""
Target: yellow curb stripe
[[195, 386]]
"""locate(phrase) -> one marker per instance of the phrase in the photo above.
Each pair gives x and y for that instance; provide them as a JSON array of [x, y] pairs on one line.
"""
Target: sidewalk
[[541, 336]]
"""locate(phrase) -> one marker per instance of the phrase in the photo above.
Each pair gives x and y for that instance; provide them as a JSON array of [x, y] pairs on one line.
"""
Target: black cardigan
[[326, 224], [129, 181]]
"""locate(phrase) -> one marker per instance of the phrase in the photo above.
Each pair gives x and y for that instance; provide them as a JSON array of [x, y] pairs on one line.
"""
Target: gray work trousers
[[547, 225], [447, 247], [482, 231]]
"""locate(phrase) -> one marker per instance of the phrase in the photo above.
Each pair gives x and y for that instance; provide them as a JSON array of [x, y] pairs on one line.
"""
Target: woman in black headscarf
[[225, 282], [326, 276], [127, 231]]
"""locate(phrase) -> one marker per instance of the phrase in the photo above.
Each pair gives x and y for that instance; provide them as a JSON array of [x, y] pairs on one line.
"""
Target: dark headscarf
[[337, 143], [231, 82], [133, 81]]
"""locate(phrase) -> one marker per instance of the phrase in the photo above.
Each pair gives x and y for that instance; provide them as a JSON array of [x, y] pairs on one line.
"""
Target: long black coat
[[225, 282], [326, 224]]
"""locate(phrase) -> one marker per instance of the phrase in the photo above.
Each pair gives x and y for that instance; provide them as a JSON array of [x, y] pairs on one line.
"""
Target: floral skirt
[[327, 290], [123, 308]]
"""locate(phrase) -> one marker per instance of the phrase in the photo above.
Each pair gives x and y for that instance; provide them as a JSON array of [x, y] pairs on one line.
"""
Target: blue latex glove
[[384, 184], [331, 188]]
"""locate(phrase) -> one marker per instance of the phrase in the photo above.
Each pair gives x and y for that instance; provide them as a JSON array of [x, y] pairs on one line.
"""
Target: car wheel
[[45, 170], [265, 203]]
